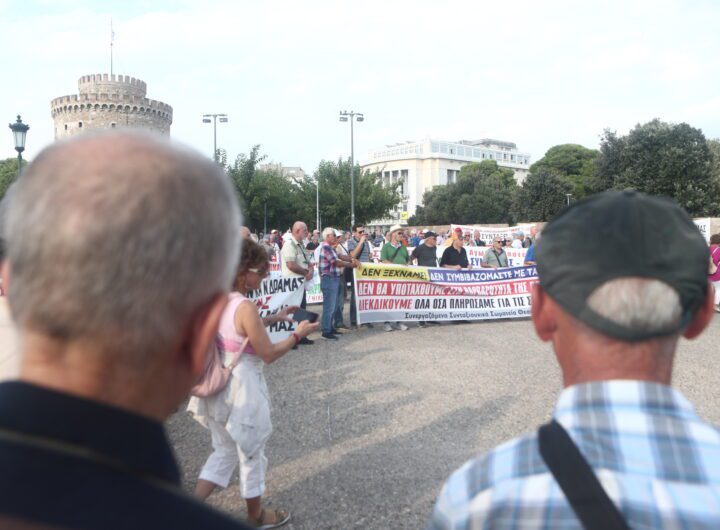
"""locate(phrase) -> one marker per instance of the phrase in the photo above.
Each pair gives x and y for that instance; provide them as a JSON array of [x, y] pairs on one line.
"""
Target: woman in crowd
[[239, 416], [715, 259]]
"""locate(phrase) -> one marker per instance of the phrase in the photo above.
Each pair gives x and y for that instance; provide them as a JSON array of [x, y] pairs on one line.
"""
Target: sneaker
[[329, 336], [387, 326], [342, 326], [422, 324], [307, 341], [402, 327]]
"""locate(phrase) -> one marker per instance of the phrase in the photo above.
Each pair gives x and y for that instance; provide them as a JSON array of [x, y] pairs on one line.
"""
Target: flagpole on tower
[[112, 38]]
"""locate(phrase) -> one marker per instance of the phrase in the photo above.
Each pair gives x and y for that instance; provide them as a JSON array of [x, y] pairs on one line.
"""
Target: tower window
[[80, 124], [66, 126]]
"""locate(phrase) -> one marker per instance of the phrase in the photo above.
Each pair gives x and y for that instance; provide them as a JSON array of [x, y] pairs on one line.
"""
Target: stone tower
[[106, 102]]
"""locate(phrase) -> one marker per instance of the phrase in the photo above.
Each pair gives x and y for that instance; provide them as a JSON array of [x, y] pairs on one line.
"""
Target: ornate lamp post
[[19, 130]]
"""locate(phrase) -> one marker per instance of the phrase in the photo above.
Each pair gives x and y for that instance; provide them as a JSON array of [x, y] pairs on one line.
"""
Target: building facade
[[419, 166], [106, 102]]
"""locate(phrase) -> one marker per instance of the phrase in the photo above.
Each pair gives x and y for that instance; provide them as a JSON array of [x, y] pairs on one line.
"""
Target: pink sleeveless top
[[232, 340]]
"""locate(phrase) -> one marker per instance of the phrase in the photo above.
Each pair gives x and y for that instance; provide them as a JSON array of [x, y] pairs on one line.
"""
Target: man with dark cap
[[624, 449]]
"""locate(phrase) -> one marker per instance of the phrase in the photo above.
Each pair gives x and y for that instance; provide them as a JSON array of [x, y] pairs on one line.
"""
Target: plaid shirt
[[658, 462], [326, 264]]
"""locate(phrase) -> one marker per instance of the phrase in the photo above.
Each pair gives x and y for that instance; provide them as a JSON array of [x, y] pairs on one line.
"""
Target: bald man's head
[[299, 230], [118, 236]]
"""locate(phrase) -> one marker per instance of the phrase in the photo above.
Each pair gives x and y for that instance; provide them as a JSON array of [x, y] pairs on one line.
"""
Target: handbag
[[215, 377], [577, 480]]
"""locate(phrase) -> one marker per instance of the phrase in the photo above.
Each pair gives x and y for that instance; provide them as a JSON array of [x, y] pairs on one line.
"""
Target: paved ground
[[367, 429]]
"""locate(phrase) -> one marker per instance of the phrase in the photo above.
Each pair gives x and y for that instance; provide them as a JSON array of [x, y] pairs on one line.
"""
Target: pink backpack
[[216, 376]]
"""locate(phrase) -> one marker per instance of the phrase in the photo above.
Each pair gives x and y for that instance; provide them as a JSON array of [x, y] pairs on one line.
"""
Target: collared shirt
[[294, 251], [658, 462], [496, 259], [327, 261], [69, 462], [397, 254]]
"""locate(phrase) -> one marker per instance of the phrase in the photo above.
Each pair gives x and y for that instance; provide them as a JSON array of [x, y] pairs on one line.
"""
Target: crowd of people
[[127, 276]]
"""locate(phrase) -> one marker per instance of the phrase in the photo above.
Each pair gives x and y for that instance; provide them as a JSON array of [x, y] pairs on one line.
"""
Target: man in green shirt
[[394, 252]]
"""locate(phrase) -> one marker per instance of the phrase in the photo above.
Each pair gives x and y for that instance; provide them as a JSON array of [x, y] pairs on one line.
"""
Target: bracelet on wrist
[[297, 337]]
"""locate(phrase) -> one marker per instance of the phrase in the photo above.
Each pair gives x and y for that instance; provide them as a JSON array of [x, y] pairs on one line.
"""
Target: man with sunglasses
[[495, 257], [359, 248]]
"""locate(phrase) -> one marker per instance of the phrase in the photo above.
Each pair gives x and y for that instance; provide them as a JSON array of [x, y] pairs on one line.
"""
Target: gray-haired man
[[120, 253], [625, 449]]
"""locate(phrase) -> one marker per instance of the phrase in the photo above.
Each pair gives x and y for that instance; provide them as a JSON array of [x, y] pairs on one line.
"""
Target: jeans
[[353, 309], [329, 285], [339, 304]]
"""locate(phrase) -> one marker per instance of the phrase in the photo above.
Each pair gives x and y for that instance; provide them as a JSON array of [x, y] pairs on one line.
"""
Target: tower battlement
[[108, 101]]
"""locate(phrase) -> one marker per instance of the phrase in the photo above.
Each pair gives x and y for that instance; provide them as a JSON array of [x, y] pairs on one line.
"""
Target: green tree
[[483, 193], [573, 162], [372, 199], [542, 195], [8, 172], [261, 191], [661, 158]]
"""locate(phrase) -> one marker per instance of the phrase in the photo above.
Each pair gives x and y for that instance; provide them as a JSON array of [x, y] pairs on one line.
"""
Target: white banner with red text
[[395, 293], [275, 293]]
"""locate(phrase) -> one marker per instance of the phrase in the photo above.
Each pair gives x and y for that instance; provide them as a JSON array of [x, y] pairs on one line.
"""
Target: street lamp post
[[317, 203], [19, 130], [352, 116], [223, 119], [568, 195]]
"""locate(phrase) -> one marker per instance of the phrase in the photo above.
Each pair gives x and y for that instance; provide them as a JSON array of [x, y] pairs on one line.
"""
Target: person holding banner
[[239, 416], [394, 252], [495, 257], [455, 256], [296, 261], [328, 263], [359, 248]]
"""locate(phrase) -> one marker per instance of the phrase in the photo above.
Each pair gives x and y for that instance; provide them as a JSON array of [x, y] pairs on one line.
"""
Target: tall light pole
[[317, 203], [352, 116], [19, 130], [223, 119], [568, 195]]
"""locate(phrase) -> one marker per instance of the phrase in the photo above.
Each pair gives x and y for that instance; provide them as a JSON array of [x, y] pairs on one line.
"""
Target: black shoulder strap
[[577, 480]]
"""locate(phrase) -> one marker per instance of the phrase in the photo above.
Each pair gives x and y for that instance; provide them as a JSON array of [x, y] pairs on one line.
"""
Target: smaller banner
[[704, 227], [487, 233], [275, 293], [395, 293]]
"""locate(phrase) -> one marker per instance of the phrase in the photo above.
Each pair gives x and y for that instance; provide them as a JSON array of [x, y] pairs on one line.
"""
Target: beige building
[[106, 101], [419, 166]]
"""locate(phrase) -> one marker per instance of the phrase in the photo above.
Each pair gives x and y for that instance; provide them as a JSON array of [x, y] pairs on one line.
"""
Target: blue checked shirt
[[658, 462]]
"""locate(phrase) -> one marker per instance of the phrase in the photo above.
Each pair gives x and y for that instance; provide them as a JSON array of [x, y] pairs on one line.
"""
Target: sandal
[[281, 518]]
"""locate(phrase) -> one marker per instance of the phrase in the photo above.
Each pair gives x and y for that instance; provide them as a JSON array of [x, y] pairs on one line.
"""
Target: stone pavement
[[369, 427]]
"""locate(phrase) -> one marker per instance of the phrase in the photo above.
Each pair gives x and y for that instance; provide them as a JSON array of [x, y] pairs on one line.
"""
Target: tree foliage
[[261, 191], [483, 193], [8, 172], [661, 158], [372, 199], [573, 163], [542, 195]]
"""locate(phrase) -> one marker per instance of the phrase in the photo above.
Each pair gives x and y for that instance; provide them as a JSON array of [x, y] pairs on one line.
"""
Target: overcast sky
[[534, 73]]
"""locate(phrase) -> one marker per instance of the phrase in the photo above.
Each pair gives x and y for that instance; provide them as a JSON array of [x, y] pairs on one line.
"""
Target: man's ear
[[543, 316], [703, 315], [203, 331]]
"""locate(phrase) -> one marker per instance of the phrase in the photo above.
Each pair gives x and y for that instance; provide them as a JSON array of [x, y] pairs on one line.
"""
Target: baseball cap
[[622, 234], [430, 233]]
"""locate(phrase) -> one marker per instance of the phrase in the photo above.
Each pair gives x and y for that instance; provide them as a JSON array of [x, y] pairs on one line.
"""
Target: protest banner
[[275, 293], [704, 227], [396, 293], [488, 233]]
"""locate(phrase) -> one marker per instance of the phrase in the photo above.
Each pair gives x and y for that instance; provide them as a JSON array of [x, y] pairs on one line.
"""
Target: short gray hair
[[639, 304], [119, 238], [327, 231]]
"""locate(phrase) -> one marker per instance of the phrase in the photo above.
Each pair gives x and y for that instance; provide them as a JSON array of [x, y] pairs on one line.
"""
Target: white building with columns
[[419, 166]]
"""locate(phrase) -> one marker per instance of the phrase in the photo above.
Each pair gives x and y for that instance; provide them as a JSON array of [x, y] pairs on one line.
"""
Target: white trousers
[[717, 292], [243, 436]]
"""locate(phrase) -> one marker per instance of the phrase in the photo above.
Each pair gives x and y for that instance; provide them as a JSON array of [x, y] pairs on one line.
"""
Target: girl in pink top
[[239, 416], [715, 278]]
